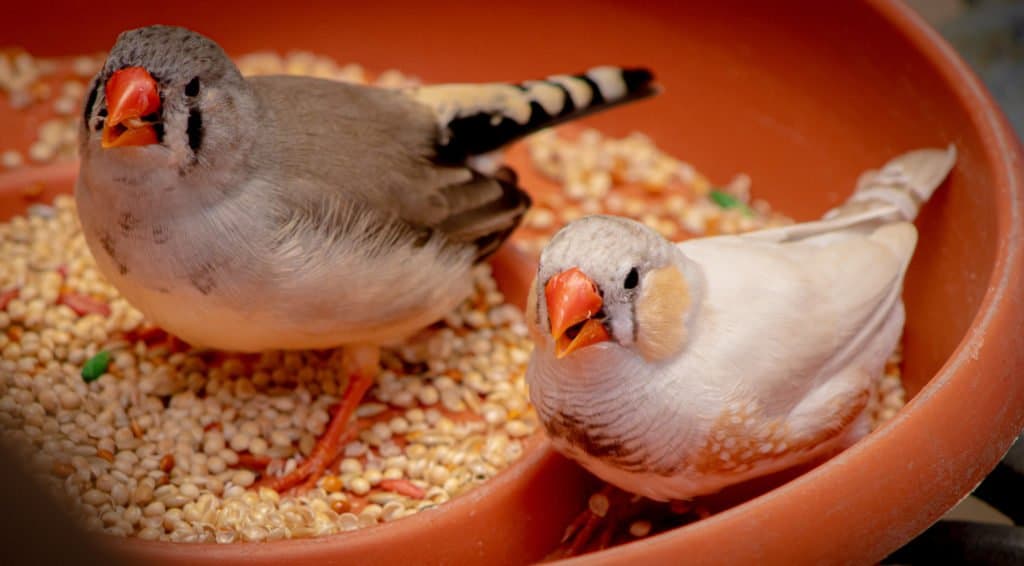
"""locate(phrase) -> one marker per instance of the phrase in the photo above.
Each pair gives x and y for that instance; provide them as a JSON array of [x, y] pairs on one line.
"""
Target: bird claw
[[600, 518], [597, 526], [362, 363]]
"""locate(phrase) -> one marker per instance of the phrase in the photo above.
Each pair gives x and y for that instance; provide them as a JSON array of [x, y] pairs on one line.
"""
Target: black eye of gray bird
[[192, 88], [632, 279]]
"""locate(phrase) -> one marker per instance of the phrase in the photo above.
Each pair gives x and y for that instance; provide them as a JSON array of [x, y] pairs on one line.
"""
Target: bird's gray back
[[367, 143]]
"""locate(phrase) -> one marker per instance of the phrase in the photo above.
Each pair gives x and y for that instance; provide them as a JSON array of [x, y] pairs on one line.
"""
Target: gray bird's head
[[167, 98], [606, 279]]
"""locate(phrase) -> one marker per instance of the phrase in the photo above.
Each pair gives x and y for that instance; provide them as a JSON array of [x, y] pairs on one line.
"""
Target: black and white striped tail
[[478, 118]]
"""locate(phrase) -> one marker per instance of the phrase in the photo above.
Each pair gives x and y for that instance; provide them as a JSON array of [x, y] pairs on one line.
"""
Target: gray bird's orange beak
[[131, 96], [573, 300]]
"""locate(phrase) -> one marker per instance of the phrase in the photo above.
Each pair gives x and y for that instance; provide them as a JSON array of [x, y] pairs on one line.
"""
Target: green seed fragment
[[726, 200], [96, 366]]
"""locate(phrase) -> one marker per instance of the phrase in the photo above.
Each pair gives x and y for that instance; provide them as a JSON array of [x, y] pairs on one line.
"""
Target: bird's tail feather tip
[[906, 181], [480, 118], [637, 78]]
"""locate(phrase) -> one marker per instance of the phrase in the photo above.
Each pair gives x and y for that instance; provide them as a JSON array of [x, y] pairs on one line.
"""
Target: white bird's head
[[610, 282], [167, 100]]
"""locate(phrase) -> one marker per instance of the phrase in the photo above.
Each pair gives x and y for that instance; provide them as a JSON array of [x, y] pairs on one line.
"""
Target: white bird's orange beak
[[572, 301], [131, 95]]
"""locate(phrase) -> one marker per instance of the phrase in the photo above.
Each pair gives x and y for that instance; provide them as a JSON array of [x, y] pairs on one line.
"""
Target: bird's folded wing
[[807, 307], [375, 147]]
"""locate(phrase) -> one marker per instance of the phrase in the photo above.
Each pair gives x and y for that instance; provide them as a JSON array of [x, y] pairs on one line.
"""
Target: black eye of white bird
[[192, 88], [632, 279]]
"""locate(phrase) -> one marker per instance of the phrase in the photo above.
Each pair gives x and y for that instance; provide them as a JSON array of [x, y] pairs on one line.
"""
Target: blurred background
[[989, 34]]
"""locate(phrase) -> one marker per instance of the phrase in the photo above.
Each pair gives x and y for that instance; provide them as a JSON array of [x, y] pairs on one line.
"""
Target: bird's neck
[[596, 372]]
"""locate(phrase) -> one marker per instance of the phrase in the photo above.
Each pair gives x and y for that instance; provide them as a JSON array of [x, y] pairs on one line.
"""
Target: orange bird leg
[[362, 364], [599, 519]]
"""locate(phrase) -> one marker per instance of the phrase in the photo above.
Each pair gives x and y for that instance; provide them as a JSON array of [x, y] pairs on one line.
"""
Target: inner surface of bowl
[[802, 96]]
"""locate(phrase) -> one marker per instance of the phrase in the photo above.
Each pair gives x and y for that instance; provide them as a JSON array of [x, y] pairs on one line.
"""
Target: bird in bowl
[[673, 370], [280, 212]]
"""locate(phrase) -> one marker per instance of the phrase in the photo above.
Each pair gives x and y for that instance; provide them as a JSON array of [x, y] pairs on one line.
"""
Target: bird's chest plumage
[[225, 278], [171, 269], [588, 407]]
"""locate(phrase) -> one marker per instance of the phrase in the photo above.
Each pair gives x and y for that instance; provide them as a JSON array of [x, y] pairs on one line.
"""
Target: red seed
[[149, 334], [7, 296], [62, 270], [84, 304], [175, 344], [255, 463], [215, 425], [63, 469], [167, 463], [403, 487]]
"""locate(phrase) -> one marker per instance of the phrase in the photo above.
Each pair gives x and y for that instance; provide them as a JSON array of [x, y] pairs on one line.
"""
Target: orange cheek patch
[[660, 313]]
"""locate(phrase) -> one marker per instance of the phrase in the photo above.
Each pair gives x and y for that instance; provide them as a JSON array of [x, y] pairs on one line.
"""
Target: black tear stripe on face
[[90, 102], [195, 129], [158, 125]]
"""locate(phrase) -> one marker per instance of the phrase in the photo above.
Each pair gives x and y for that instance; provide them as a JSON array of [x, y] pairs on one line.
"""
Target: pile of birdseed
[[167, 441], [160, 441], [631, 177]]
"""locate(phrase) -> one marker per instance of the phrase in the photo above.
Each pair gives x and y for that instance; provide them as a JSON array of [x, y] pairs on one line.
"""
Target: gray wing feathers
[[374, 146], [484, 212]]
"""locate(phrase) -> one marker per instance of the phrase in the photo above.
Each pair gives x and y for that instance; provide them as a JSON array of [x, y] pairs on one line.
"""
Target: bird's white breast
[[213, 277]]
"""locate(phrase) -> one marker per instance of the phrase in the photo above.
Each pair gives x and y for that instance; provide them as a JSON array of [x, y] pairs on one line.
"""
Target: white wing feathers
[[842, 275]]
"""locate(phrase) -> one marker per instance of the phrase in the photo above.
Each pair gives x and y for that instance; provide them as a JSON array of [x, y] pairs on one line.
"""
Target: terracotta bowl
[[803, 96]]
